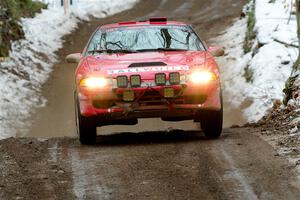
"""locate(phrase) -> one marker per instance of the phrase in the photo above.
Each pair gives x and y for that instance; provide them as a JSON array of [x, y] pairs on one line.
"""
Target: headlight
[[202, 77], [94, 82]]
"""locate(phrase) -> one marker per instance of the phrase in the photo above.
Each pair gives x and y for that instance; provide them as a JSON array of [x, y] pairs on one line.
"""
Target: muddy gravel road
[[152, 160], [154, 165], [57, 118]]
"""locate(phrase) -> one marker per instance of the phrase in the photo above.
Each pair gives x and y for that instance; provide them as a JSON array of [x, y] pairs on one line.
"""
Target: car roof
[[152, 21]]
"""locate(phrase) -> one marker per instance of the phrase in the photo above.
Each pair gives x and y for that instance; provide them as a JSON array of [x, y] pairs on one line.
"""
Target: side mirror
[[73, 58], [216, 51]]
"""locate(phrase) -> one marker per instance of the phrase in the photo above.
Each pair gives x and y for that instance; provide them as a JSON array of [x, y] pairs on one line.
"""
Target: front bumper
[[149, 102]]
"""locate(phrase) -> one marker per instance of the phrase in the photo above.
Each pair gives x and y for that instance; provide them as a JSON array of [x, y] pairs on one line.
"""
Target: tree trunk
[[297, 63], [66, 6]]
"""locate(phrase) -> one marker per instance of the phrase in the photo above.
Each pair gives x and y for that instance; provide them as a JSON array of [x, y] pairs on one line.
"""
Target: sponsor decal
[[148, 69]]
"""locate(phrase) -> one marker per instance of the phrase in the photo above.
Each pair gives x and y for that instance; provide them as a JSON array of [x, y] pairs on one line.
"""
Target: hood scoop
[[147, 64]]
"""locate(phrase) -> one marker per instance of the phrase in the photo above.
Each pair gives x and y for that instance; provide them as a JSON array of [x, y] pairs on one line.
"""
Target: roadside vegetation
[[250, 34], [11, 12], [291, 89], [248, 74], [249, 39], [292, 84]]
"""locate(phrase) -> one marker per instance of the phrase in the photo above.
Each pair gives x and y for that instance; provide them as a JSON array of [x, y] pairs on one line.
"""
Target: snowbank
[[32, 59], [270, 61]]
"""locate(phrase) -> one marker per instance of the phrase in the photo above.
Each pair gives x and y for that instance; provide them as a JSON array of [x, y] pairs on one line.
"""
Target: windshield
[[145, 38]]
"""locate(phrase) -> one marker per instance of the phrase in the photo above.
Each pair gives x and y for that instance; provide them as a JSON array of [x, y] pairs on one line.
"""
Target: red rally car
[[148, 69]]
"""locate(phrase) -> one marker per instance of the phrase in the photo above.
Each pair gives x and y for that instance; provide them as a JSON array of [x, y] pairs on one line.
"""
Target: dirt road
[[153, 165], [163, 163], [57, 118]]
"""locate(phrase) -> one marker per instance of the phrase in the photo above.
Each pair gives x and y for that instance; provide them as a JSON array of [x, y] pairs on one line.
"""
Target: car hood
[[119, 63]]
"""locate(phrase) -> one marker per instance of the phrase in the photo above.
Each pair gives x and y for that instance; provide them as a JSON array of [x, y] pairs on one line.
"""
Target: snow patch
[[270, 61], [32, 59]]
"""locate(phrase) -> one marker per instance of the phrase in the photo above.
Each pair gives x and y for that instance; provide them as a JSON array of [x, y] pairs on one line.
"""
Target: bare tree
[[297, 63]]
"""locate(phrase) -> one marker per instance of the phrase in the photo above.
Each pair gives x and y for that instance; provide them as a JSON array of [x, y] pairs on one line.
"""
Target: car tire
[[212, 122], [86, 129]]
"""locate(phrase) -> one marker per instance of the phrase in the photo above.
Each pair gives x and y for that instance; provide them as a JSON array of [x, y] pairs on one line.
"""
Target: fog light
[[122, 81], [128, 95], [160, 79], [135, 81], [169, 93], [174, 78]]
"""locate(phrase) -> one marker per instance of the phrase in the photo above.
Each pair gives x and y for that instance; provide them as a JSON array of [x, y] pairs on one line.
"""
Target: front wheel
[[212, 123], [86, 129]]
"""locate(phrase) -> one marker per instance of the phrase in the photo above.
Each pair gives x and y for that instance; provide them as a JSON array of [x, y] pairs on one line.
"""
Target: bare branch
[[284, 43]]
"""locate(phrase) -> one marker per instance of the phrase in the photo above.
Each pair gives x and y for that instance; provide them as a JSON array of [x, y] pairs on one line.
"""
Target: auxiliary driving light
[[169, 93], [174, 78], [122, 81], [128, 95], [94, 82], [160, 79], [202, 77], [135, 80]]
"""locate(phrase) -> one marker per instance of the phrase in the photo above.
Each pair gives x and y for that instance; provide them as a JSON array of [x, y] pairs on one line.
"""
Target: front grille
[[151, 95]]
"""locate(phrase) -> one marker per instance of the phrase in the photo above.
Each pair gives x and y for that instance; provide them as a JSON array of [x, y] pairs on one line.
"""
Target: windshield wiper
[[161, 49], [111, 51]]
